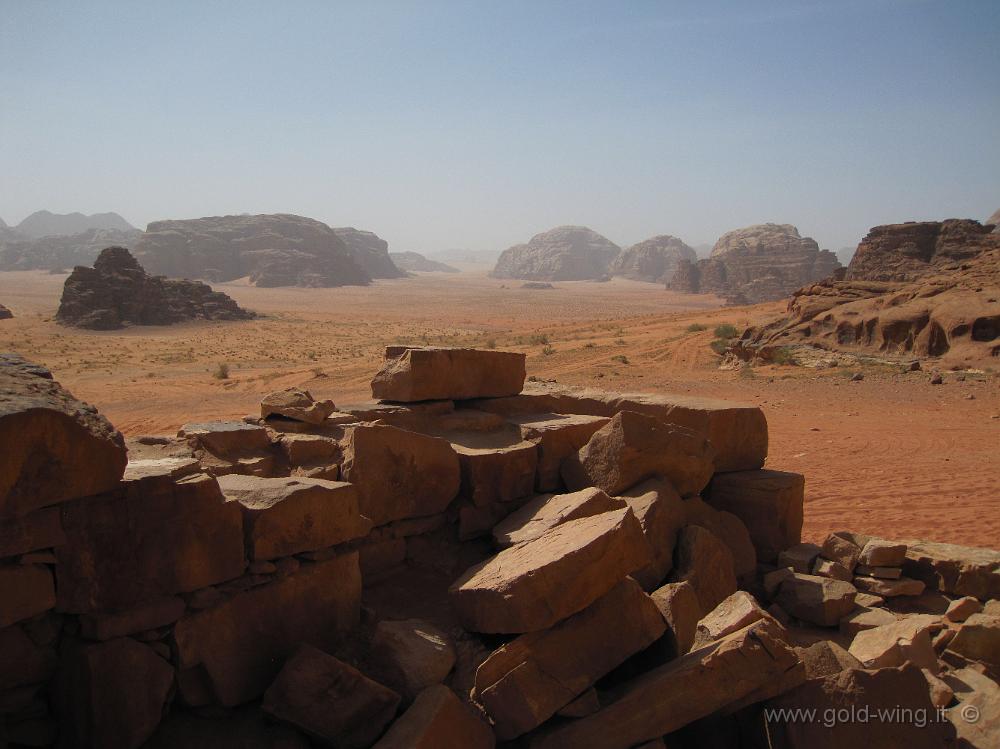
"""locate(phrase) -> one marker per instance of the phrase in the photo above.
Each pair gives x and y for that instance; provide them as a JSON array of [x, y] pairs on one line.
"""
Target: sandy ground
[[891, 455]]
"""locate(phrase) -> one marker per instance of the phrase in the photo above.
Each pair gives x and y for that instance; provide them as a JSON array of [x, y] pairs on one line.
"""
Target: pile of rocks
[[460, 563]]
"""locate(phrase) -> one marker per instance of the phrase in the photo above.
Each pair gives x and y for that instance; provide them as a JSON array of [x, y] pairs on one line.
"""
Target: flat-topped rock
[[296, 404], [433, 373], [438, 719], [226, 438], [893, 644], [556, 436], [958, 570], [817, 600], [549, 510], [536, 584]]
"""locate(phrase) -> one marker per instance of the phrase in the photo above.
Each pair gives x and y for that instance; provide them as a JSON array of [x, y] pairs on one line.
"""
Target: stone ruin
[[462, 563]]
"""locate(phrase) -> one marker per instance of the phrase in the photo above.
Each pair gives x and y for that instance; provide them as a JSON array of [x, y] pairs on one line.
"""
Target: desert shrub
[[538, 339], [719, 346], [620, 358], [620, 341], [725, 331], [590, 344], [695, 327], [548, 351], [221, 371], [491, 343], [784, 356]]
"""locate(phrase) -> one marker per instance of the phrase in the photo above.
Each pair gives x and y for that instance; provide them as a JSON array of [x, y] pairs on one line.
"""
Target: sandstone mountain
[[566, 253], [272, 249], [47, 224], [56, 252], [755, 264], [369, 251], [416, 263], [995, 220], [929, 290], [118, 292], [655, 259]]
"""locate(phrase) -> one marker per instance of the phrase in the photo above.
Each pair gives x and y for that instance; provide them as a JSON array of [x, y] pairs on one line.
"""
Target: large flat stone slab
[[432, 373], [557, 436], [958, 570], [546, 511], [437, 719], [536, 584]]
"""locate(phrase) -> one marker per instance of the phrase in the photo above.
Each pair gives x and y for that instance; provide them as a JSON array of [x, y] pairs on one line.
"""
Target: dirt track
[[892, 454]]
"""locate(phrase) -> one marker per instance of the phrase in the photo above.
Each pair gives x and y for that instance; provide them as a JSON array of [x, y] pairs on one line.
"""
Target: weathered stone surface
[[496, 474], [546, 511], [112, 695], [41, 529], [981, 693], [727, 528], [737, 432], [660, 511], [25, 590], [149, 539], [862, 618], [887, 691], [959, 570], [526, 681], [296, 404], [800, 557], [588, 703], [22, 661], [881, 553], [150, 615], [168, 467], [565, 253], [632, 447], [369, 251], [824, 658], [978, 639], [678, 604], [736, 612], [826, 568], [117, 292], [654, 259], [55, 447], [285, 516], [226, 439], [437, 719], [818, 600], [330, 700], [885, 573], [841, 550], [908, 639], [411, 655], [904, 586], [5, 314], [399, 474], [962, 608], [556, 436], [435, 373], [309, 450], [534, 585], [241, 643], [704, 561], [768, 502], [680, 692]]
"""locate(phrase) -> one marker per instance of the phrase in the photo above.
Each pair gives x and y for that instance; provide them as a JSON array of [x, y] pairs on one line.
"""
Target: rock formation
[[5, 314], [566, 253], [370, 252], [46, 224], [118, 292], [994, 219], [272, 249], [56, 252], [206, 594], [654, 259], [756, 264], [414, 262], [927, 290]]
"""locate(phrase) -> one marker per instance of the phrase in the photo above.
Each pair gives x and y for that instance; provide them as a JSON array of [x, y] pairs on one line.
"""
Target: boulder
[[112, 695], [243, 728], [881, 553], [768, 502], [801, 557], [152, 615], [727, 528], [556, 437], [979, 698], [660, 511], [529, 679], [296, 404], [862, 618], [399, 474], [904, 586], [26, 590], [435, 373], [885, 573], [330, 700], [239, 645], [411, 655], [437, 719], [957, 570], [825, 658], [678, 604], [826, 568], [671, 696], [496, 474], [654, 260], [546, 511], [907, 639], [842, 551], [565, 253], [118, 292], [817, 600], [978, 638], [42, 529], [55, 447], [5, 314], [736, 612], [962, 608], [536, 584], [310, 450], [226, 439], [707, 564], [285, 516], [632, 447]]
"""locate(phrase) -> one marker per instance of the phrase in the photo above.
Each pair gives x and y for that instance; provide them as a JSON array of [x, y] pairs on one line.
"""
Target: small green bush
[[221, 372], [538, 339], [719, 346], [785, 357], [695, 327], [548, 351], [725, 331], [620, 358]]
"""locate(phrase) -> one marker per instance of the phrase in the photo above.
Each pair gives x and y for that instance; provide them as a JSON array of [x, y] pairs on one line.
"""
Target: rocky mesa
[[117, 292], [566, 253], [654, 259]]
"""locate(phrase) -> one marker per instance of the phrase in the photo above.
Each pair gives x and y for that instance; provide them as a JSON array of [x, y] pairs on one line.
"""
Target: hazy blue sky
[[477, 124]]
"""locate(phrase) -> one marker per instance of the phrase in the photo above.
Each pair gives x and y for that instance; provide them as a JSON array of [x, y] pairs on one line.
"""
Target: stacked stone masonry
[[470, 564]]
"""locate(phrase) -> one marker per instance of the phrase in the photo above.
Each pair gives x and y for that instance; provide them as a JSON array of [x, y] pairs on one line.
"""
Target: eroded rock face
[[55, 447], [566, 253], [370, 252], [118, 292], [272, 249], [655, 259], [756, 264], [413, 373]]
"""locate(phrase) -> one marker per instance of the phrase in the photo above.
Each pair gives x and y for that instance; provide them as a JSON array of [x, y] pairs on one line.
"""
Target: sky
[[477, 124]]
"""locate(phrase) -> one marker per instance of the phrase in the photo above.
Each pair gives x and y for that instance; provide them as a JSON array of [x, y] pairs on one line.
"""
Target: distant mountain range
[[48, 224]]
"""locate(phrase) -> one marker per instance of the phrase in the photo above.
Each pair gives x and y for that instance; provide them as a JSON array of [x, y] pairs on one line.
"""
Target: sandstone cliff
[[118, 292], [416, 263], [755, 264], [655, 259], [272, 249], [566, 253], [370, 252]]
